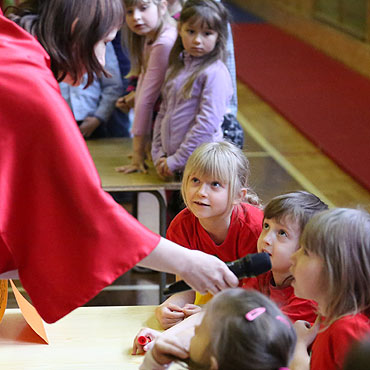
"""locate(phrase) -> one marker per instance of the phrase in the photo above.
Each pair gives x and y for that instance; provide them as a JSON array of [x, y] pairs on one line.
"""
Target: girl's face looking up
[[206, 197], [144, 18], [198, 40]]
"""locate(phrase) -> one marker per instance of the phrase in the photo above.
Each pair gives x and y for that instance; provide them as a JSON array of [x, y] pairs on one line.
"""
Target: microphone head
[[259, 263], [251, 265]]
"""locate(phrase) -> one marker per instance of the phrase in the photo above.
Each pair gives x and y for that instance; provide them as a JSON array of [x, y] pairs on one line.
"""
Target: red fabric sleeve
[[64, 234]]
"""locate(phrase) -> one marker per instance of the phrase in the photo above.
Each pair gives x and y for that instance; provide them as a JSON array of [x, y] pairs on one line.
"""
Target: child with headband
[[332, 267], [221, 218], [285, 217], [240, 329]]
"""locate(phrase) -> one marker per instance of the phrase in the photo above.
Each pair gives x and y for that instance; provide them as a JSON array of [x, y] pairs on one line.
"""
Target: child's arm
[[170, 312], [306, 334]]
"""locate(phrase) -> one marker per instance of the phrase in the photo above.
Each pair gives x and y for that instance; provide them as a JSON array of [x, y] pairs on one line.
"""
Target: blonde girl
[[332, 267], [151, 33], [197, 88], [241, 329], [284, 218], [219, 218]]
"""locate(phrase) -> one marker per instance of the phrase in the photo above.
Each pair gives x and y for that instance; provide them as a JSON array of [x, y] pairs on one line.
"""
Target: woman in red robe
[[66, 237]]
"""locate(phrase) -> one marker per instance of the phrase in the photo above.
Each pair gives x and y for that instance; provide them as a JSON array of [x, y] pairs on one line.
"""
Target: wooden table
[[88, 338], [111, 153]]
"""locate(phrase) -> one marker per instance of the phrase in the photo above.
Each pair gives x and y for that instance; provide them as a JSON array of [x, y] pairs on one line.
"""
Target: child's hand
[[125, 103], [306, 333], [190, 309], [169, 315], [166, 348], [138, 348], [162, 168], [88, 126]]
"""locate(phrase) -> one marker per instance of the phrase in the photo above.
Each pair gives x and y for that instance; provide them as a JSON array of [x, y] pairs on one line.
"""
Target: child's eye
[[190, 32], [265, 225], [282, 233], [194, 180], [129, 12], [215, 184]]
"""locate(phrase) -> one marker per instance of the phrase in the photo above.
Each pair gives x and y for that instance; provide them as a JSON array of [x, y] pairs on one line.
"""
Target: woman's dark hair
[[69, 30]]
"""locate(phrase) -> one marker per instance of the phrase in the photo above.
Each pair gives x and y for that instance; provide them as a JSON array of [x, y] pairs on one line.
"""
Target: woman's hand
[[151, 334], [88, 126]]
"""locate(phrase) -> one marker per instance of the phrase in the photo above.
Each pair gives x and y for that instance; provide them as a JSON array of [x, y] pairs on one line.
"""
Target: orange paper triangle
[[30, 314], [3, 297]]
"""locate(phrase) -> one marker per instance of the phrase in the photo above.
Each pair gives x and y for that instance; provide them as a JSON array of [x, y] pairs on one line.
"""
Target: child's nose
[[136, 14], [202, 190], [268, 238], [197, 39]]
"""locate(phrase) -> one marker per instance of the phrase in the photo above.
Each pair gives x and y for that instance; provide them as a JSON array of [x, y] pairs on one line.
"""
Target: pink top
[[150, 82]]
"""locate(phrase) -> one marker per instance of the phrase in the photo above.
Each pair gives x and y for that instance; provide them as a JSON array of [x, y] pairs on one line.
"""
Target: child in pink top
[[151, 33], [332, 267]]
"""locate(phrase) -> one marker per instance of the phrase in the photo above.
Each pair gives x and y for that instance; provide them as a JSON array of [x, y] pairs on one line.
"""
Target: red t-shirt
[[331, 345], [244, 230], [293, 307], [65, 235]]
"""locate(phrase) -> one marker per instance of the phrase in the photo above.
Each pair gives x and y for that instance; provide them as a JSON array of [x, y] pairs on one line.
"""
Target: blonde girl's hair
[[136, 43], [341, 238], [214, 16], [298, 206], [266, 342], [223, 162]]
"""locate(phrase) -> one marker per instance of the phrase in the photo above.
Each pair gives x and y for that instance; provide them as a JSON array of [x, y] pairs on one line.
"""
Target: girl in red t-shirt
[[332, 267], [219, 217]]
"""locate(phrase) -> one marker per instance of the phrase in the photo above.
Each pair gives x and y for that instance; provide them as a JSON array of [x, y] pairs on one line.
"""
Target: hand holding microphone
[[251, 265]]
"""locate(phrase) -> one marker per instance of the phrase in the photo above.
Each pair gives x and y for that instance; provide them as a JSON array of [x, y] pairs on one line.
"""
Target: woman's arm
[[203, 272]]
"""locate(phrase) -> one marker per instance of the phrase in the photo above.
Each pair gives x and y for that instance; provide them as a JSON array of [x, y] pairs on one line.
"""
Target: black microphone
[[249, 266]]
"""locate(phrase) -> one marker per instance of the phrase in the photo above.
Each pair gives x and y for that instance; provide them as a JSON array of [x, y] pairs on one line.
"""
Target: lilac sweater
[[182, 125]]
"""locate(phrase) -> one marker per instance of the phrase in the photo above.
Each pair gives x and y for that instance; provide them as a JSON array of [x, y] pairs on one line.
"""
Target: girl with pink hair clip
[[240, 329]]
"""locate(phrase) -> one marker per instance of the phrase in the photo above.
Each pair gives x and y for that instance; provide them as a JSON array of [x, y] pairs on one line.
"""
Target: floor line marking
[[297, 175]]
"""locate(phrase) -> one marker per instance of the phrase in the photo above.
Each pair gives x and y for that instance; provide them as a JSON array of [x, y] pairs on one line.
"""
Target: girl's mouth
[[201, 204]]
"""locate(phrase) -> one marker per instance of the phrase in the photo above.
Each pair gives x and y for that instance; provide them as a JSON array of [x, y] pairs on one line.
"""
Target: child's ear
[[241, 196], [213, 363]]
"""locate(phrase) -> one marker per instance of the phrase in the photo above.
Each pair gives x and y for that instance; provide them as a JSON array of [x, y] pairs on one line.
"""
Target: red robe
[[65, 235]]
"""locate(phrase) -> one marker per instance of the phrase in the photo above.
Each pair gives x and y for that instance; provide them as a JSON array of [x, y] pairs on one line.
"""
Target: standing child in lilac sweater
[[197, 88]]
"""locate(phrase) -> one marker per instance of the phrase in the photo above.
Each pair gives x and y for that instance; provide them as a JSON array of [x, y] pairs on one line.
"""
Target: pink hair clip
[[286, 322], [253, 314]]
